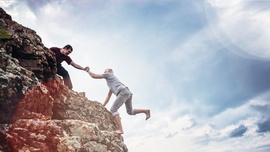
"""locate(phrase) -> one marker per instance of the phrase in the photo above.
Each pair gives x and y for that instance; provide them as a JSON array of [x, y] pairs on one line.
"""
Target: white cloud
[[197, 51], [173, 125], [208, 134], [20, 13], [6, 3], [241, 29]]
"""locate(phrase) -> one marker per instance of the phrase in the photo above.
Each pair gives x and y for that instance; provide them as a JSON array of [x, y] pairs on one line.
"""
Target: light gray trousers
[[124, 96]]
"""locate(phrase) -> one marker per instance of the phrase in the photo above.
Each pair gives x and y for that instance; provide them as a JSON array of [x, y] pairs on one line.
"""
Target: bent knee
[[130, 112]]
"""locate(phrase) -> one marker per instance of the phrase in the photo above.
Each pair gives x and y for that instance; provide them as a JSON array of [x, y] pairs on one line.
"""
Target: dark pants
[[63, 72]]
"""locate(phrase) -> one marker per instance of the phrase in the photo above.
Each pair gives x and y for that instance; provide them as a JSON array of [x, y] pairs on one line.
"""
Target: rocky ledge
[[37, 112]]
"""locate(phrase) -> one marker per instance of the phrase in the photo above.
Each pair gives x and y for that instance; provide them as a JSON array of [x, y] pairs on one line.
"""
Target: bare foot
[[118, 132], [147, 114]]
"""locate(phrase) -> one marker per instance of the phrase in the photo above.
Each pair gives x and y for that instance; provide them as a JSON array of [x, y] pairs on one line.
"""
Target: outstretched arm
[[107, 98], [95, 76], [77, 66]]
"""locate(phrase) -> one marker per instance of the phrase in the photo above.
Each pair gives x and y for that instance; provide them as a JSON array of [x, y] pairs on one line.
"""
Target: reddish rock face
[[38, 112]]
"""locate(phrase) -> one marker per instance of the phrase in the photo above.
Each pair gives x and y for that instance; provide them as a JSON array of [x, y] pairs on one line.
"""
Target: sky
[[201, 66]]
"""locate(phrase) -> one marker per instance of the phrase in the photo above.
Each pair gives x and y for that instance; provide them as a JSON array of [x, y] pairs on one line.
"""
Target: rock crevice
[[39, 113]]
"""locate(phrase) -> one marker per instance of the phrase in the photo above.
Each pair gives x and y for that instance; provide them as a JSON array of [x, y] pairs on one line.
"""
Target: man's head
[[109, 70], [68, 49]]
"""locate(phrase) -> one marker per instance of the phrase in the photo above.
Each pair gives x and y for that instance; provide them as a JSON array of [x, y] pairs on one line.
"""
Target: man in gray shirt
[[123, 96]]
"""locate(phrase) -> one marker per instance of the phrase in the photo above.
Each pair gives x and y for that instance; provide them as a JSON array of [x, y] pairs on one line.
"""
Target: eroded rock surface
[[37, 112]]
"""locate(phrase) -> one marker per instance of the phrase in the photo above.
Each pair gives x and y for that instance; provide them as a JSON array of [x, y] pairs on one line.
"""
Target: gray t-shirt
[[113, 83]]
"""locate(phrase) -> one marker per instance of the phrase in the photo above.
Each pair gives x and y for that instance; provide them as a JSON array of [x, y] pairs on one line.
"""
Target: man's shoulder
[[55, 48], [106, 75], [109, 76]]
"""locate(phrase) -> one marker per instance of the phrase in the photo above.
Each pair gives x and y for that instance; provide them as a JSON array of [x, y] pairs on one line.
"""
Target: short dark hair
[[68, 47]]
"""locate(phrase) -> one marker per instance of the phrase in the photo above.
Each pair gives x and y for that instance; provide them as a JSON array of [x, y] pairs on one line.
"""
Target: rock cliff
[[37, 112]]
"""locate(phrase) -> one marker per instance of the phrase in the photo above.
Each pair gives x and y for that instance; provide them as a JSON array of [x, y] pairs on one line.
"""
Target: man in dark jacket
[[61, 54]]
